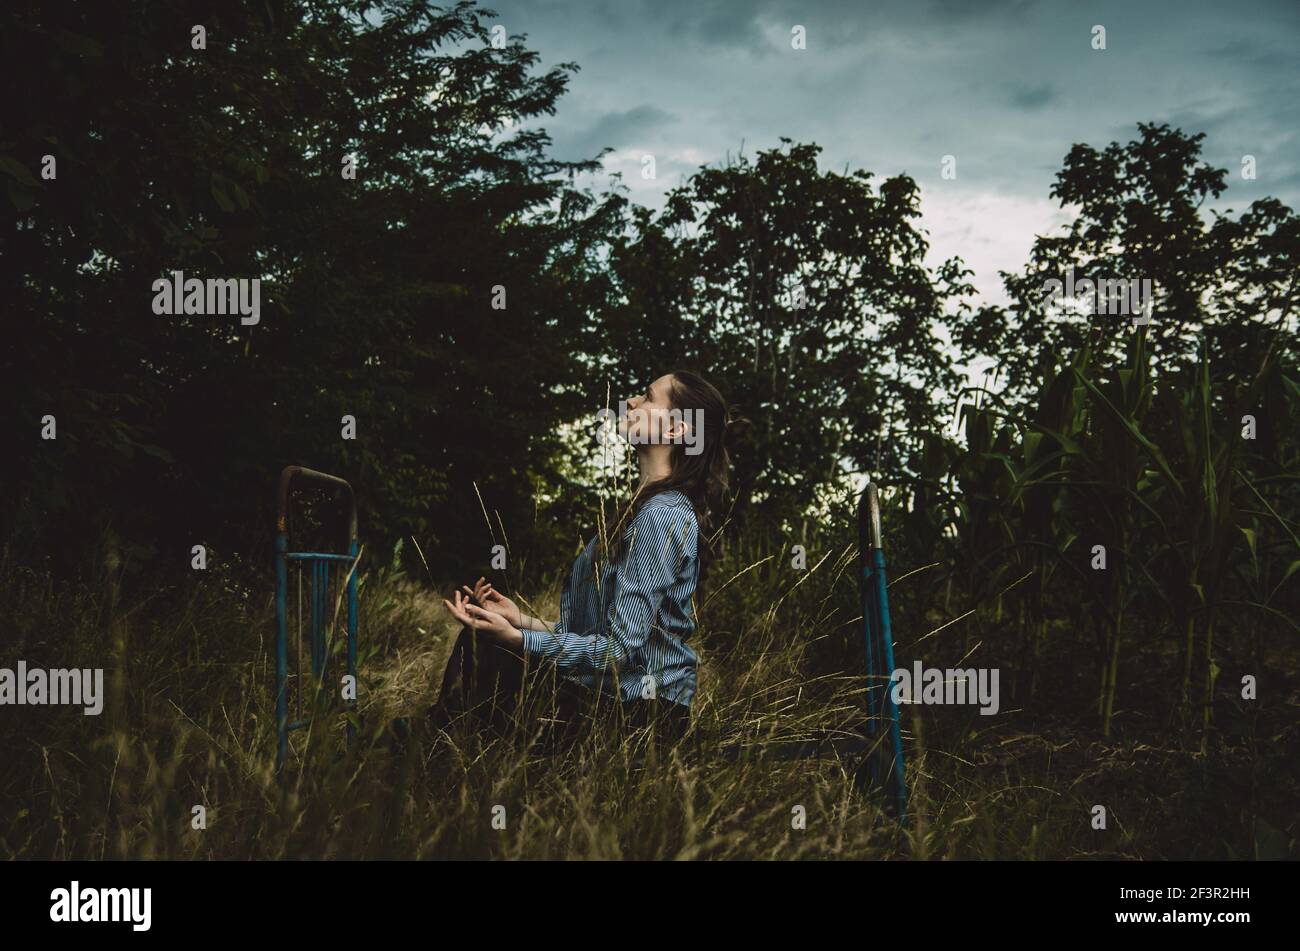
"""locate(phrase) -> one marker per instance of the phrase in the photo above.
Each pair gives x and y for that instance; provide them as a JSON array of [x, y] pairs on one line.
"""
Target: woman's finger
[[459, 614], [489, 619]]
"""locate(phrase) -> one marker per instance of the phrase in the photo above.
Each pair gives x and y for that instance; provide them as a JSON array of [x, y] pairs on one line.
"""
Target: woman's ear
[[676, 429]]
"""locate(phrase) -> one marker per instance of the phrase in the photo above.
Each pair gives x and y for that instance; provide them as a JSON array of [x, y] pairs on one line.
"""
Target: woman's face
[[648, 420]]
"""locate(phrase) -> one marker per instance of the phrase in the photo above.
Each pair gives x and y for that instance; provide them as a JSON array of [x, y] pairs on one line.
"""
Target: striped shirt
[[622, 630]]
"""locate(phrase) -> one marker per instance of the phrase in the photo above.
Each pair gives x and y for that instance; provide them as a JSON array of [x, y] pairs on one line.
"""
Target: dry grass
[[189, 716]]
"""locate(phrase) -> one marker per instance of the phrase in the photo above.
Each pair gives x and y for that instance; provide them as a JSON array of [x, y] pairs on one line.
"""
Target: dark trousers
[[488, 687]]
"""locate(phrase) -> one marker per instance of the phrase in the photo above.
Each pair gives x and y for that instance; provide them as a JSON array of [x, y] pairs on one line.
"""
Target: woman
[[618, 650]]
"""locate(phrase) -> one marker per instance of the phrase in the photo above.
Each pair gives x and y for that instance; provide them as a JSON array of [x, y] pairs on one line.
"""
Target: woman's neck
[[653, 462]]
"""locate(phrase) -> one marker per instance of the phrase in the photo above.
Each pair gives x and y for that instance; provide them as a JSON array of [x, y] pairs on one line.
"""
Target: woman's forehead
[[663, 385]]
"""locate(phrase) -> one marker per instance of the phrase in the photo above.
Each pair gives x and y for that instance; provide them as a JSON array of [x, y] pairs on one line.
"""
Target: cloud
[[1032, 97], [966, 10], [613, 130], [1007, 86]]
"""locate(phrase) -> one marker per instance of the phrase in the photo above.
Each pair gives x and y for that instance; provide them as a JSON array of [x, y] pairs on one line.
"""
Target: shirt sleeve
[[656, 542]]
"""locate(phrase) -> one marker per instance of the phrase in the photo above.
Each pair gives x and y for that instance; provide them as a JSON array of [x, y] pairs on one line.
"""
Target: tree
[[802, 294], [377, 291]]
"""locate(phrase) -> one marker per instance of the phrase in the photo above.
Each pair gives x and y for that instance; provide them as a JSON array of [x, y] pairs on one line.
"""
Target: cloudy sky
[[891, 86]]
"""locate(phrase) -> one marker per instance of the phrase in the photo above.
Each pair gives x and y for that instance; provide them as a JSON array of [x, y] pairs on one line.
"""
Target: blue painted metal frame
[[878, 634], [319, 564]]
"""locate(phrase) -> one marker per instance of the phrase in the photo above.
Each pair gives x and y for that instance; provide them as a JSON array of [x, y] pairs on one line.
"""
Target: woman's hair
[[704, 476]]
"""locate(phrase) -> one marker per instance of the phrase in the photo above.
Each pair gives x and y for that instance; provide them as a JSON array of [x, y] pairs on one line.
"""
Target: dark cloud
[[1032, 97], [613, 130], [966, 10], [1006, 86]]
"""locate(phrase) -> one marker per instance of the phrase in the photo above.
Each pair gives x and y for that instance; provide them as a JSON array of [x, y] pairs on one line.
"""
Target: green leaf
[[1290, 570], [1250, 538], [1280, 616], [157, 452], [220, 196], [1133, 431], [1271, 843], [16, 169], [1280, 520], [22, 198], [77, 44]]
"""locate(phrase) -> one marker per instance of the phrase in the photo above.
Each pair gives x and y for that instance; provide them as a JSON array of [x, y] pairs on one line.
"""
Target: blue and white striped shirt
[[624, 631]]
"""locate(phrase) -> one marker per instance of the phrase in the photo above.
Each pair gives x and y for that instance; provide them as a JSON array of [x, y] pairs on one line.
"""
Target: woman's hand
[[485, 622], [494, 601]]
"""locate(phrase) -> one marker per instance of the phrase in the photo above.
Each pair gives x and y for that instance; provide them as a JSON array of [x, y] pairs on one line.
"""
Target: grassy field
[[189, 721]]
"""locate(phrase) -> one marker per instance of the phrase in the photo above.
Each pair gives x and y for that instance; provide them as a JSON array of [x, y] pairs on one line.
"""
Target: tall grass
[[189, 722]]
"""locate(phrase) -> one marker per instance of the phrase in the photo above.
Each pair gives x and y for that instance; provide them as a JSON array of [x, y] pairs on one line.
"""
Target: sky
[[1006, 87]]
